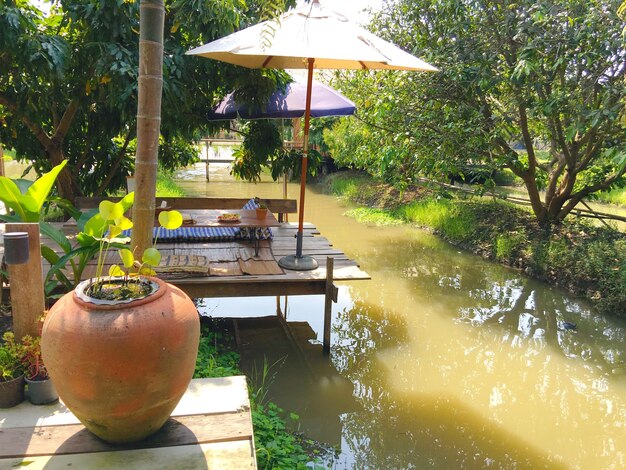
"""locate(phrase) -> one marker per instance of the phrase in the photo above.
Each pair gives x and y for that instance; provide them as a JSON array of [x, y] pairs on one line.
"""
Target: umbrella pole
[[300, 262]]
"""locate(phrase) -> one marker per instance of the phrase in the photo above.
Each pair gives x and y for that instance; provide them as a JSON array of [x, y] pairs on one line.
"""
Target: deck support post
[[26, 284], [207, 144], [329, 297]]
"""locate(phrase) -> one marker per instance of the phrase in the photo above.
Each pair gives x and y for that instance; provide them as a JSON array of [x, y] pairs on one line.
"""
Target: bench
[[280, 207]]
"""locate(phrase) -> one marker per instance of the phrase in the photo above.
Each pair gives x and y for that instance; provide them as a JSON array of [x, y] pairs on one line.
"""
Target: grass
[[166, 186], [587, 260], [276, 447], [614, 196]]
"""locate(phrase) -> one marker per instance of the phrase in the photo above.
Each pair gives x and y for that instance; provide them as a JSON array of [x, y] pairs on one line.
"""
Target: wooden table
[[247, 219], [211, 428]]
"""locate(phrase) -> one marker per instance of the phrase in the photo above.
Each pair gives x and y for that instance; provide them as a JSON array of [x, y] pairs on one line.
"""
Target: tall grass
[[614, 196], [443, 215], [167, 187]]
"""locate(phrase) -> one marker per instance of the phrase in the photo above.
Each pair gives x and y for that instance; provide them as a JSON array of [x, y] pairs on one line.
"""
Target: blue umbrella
[[291, 104]]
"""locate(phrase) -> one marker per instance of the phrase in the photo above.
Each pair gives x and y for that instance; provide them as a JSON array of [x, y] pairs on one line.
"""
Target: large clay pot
[[122, 368]]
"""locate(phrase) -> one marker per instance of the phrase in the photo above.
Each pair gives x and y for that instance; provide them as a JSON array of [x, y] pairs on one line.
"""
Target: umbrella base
[[295, 263]]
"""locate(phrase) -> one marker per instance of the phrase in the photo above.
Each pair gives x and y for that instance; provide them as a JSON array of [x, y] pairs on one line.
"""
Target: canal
[[451, 361]]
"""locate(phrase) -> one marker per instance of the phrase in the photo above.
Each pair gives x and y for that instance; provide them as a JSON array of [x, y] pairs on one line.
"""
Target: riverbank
[[588, 261]]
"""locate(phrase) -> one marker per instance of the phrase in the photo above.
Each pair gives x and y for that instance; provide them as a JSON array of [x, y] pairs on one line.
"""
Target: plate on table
[[228, 218]]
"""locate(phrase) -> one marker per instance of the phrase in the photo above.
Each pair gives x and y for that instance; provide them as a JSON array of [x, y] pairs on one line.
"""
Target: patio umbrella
[[325, 101], [309, 37]]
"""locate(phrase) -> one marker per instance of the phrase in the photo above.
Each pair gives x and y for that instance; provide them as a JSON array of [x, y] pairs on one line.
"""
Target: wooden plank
[[27, 294], [74, 438], [228, 394], [285, 206], [233, 455]]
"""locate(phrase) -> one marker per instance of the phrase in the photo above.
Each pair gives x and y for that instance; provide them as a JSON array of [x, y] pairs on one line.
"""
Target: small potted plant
[[261, 209], [11, 372], [41, 390]]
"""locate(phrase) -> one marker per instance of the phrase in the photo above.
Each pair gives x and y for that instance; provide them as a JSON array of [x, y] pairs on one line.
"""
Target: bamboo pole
[[150, 86]]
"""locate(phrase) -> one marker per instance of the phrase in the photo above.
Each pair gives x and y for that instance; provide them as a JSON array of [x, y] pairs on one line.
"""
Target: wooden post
[[207, 143], [329, 298], [27, 294]]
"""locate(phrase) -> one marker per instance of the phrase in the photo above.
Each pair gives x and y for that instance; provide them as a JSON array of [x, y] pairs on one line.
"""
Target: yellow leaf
[[170, 220], [175, 27], [127, 257], [116, 271]]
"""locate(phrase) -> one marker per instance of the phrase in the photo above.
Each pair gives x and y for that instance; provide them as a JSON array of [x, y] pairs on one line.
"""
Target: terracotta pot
[[11, 392], [122, 368], [261, 213]]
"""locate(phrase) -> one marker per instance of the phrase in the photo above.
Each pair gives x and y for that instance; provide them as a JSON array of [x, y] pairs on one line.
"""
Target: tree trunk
[[65, 183], [151, 19]]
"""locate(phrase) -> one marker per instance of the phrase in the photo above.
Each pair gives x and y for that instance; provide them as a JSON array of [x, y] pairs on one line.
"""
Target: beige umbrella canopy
[[309, 37]]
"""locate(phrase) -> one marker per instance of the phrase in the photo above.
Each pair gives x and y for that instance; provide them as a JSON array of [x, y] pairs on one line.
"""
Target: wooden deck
[[211, 428], [334, 265], [290, 283]]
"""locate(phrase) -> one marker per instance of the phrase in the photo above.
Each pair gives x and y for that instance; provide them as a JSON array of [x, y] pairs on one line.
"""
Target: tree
[[68, 83], [527, 73]]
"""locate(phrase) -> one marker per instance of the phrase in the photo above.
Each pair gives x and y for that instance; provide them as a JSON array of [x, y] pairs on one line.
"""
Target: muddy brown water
[[442, 360], [451, 361]]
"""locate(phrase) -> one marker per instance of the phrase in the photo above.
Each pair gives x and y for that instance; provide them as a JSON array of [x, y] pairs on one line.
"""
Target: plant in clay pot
[[121, 348], [41, 390], [11, 372]]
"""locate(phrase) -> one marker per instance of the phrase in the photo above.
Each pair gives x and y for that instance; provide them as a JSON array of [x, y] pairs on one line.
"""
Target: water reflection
[[456, 362]]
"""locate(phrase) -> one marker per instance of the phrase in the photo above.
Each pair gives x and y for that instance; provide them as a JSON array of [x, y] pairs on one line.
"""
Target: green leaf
[[110, 210], [170, 220], [10, 194], [127, 201], [95, 226], [127, 257], [39, 190], [151, 256]]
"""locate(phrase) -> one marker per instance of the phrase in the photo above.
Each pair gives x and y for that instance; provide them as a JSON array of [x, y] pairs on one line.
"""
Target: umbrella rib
[[363, 65], [266, 61]]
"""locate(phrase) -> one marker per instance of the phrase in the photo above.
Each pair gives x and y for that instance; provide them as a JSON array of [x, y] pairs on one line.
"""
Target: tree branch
[[36, 130]]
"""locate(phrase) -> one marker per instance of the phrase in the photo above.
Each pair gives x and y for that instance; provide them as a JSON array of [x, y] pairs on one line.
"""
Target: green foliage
[[31, 358], [512, 75], [213, 359], [167, 187], [11, 365], [262, 147], [103, 229], [614, 196], [276, 448], [26, 198], [68, 83]]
